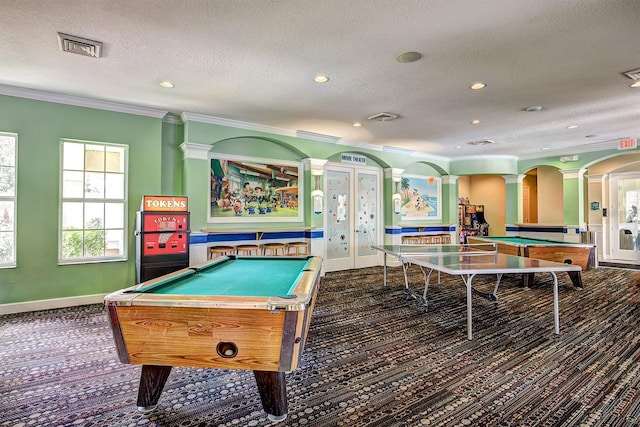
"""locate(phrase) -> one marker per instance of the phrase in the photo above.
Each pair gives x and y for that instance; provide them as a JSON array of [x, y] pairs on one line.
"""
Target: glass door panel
[[338, 196], [624, 224], [368, 217]]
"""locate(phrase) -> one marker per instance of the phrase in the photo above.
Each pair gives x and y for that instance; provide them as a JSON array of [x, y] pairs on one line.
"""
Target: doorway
[[625, 198], [353, 216]]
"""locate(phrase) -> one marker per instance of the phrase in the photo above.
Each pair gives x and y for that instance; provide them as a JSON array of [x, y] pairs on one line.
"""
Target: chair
[[410, 240], [218, 251], [296, 247], [273, 248], [446, 239], [431, 239], [247, 249]]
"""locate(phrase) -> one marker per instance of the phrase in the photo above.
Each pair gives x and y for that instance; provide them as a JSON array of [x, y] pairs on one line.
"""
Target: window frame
[[84, 200], [13, 262]]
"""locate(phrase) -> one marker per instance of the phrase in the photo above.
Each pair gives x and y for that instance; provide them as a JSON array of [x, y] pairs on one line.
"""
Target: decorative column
[[450, 204], [391, 200], [315, 235], [513, 196], [573, 195], [195, 169], [596, 202]]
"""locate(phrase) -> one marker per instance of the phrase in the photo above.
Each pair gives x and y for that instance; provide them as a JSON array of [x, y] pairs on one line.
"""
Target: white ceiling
[[254, 61]]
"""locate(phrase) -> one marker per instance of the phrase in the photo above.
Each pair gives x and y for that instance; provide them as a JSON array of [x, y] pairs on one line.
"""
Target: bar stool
[[410, 240], [273, 248], [297, 247], [436, 239], [218, 251], [247, 249], [426, 240]]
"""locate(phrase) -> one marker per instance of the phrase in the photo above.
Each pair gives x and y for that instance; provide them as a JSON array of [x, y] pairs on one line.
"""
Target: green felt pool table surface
[[235, 276]]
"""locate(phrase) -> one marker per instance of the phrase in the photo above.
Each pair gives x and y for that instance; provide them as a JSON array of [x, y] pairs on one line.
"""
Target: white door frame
[[355, 230], [628, 249]]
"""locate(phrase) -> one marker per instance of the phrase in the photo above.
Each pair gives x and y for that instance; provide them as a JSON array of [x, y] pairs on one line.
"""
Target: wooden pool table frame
[[562, 252], [262, 334]]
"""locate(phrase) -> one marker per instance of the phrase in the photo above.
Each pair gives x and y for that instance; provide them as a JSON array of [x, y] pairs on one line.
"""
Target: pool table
[[249, 313], [550, 250]]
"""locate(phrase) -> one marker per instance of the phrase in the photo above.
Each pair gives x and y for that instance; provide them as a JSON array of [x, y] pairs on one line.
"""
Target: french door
[[353, 216], [625, 201]]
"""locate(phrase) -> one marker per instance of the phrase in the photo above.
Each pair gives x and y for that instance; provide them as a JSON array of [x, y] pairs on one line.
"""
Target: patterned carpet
[[372, 359]]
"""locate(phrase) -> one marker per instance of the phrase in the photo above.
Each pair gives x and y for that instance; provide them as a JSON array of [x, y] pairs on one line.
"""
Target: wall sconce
[[317, 195], [396, 199]]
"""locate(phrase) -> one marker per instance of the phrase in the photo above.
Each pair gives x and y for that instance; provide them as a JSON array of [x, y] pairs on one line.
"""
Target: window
[[8, 154], [94, 202]]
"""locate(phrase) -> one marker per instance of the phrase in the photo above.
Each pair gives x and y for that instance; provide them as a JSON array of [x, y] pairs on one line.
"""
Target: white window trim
[[125, 200], [14, 198]]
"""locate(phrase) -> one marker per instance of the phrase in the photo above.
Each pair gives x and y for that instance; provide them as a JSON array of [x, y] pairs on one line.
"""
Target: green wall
[[40, 127], [156, 167]]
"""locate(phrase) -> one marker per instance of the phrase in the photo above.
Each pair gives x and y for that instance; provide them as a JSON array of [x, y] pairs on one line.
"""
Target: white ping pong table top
[[471, 259], [467, 261]]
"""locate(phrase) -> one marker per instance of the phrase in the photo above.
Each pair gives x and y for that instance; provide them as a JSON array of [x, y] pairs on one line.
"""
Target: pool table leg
[[527, 279], [273, 393], [576, 278], [152, 381]]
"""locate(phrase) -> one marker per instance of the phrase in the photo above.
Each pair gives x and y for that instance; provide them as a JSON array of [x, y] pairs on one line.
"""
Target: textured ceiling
[[255, 60]]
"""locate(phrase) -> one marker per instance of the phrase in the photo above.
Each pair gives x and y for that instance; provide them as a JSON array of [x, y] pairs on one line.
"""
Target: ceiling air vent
[[633, 74], [79, 46], [383, 117], [482, 142]]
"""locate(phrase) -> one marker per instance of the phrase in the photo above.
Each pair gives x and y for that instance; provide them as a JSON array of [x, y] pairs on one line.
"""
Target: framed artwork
[[244, 189], [421, 197]]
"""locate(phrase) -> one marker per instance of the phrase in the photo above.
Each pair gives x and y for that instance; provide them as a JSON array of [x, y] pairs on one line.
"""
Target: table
[[468, 261], [398, 251], [249, 313], [551, 250]]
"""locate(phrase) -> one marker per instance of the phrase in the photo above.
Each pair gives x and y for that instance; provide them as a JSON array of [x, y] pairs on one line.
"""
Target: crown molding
[[611, 144], [484, 157], [201, 118], [78, 101]]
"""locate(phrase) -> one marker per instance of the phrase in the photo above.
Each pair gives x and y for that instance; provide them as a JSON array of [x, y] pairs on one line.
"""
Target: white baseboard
[[47, 304]]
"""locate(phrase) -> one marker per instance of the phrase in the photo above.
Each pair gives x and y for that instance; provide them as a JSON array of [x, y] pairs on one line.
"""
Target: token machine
[[162, 236]]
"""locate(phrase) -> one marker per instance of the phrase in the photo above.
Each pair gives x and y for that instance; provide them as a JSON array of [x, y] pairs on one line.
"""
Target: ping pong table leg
[[405, 266], [469, 306], [556, 309], [427, 280], [385, 269]]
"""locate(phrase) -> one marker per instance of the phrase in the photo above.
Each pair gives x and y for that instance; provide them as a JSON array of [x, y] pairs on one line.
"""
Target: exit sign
[[627, 144]]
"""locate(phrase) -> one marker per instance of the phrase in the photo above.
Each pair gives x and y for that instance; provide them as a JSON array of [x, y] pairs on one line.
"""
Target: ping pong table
[[468, 261]]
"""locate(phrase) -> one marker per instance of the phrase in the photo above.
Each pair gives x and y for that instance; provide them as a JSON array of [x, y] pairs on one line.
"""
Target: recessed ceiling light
[[475, 122], [167, 84], [458, 147], [572, 127], [409, 57], [533, 109], [544, 148], [321, 79], [357, 125], [636, 84], [478, 85]]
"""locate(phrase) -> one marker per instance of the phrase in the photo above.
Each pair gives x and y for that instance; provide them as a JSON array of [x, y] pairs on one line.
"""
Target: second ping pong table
[[468, 261]]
